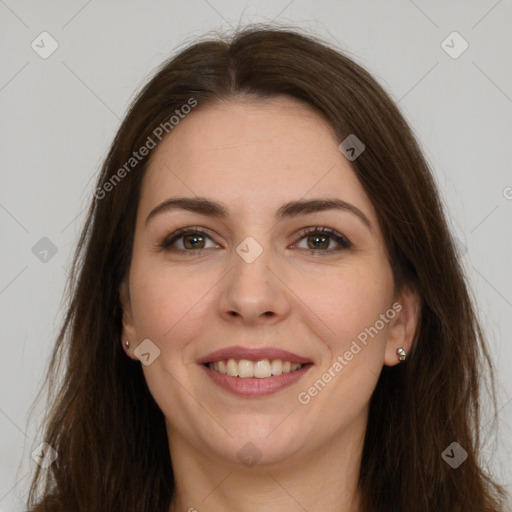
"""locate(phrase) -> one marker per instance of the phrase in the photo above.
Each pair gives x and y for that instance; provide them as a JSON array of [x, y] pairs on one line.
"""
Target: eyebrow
[[204, 206]]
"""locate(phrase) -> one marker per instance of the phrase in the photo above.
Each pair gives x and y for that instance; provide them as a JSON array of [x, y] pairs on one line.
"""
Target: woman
[[267, 309]]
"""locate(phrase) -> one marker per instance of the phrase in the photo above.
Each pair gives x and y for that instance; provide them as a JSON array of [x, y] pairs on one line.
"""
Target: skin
[[253, 156]]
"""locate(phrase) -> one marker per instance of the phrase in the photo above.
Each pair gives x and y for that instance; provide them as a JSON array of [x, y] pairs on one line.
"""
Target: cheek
[[357, 311], [169, 308], [166, 303], [347, 303]]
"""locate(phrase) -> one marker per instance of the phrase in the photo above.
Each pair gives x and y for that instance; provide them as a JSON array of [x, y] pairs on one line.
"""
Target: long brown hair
[[108, 431]]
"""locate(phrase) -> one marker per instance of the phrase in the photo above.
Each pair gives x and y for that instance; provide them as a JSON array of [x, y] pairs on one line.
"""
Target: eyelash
[[343, 242]]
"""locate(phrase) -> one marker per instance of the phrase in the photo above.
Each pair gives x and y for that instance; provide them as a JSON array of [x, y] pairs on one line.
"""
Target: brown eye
[[194, 241], [187, 240], [320, 240]]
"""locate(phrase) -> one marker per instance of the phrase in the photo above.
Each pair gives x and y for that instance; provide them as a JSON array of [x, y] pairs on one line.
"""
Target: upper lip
[[252, 354]]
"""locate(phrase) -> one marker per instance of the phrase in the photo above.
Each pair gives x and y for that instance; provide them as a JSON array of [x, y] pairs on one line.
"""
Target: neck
[[323, 478]]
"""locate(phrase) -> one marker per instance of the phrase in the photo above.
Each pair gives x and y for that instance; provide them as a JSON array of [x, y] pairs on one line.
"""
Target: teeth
[[262, 369], [246, 369], [232, 368], [277, 367]]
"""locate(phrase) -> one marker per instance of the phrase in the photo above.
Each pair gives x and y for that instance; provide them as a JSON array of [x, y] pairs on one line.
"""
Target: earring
[[401, 354], [127, 343]]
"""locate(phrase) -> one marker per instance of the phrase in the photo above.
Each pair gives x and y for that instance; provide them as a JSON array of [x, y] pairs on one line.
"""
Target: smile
[[254, 372], [246, 369]]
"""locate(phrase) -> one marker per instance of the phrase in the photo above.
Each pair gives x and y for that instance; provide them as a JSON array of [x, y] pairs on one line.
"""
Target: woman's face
[[251, 276]]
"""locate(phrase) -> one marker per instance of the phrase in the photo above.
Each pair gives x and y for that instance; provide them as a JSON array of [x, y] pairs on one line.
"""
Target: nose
[[254, 293]]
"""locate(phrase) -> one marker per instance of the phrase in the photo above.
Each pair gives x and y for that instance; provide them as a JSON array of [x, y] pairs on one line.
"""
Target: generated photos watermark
[[152, 140], [304, 397]]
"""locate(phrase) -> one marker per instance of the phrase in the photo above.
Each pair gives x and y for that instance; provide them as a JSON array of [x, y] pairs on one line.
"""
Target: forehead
[[252, 153]]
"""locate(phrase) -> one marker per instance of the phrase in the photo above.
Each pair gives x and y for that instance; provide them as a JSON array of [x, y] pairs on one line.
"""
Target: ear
[[403, 326], [128, 331]]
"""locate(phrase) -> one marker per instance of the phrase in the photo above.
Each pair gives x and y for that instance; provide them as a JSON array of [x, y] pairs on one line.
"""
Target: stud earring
[[401, 354], [127, 343]]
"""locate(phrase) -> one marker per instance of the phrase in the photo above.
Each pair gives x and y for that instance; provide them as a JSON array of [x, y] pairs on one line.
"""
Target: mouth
[[246, 369], [254, 372]]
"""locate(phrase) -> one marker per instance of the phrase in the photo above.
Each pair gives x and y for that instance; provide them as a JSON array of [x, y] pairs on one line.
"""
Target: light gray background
[[60, 114]]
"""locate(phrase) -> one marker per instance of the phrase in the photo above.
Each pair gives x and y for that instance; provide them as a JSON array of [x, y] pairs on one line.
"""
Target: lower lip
[[253, 387]]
